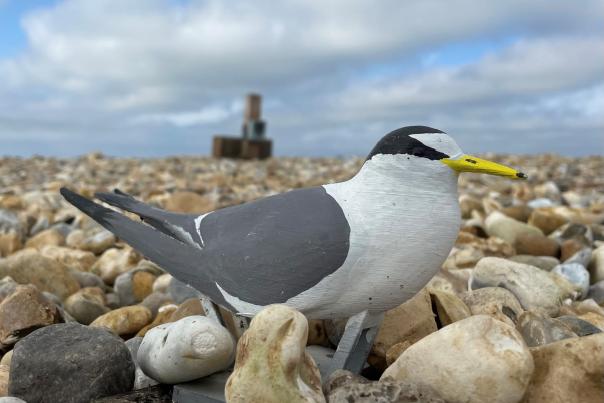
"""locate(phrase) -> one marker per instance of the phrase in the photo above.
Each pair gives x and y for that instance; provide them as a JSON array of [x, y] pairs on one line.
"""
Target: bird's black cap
[[400, 141]]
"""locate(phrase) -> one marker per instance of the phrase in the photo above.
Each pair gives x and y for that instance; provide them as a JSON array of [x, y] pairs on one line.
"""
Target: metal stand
[[352, 352], [356, 342]]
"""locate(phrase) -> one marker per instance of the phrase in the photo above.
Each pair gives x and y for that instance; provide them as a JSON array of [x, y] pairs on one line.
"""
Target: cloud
[[335, 75]]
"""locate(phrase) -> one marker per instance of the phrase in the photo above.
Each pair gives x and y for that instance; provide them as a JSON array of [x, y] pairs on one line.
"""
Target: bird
[[366, 244]]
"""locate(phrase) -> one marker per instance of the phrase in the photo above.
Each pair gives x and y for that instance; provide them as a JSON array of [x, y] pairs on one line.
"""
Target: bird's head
[[434, 145]]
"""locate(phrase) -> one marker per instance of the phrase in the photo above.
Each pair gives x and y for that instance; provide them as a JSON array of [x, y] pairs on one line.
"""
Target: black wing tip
[[70, 195]]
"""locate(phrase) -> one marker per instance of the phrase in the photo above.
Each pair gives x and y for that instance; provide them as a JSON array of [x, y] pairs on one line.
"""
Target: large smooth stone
[[575, 273], [478, 359], [506, 228], [570, 370], [497, 302], [533, 287], [124, 321], [70, 362], [539, 329], [272, 364], [410, 321], [24, 311], [188, 349], [344, 386], [29, 266]]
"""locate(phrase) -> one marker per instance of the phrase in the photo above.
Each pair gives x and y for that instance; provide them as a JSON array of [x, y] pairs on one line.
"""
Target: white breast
[[404, 217]]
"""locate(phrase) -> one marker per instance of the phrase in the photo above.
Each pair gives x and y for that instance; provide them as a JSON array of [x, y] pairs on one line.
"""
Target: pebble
[[410, 321], [569, 370], [98, 365], [97, 243], [70, 258], [189, 307], [448, 307], [162, 283], [114, 262], [477, 359], [49, 236], [9, 221], [596, 292], [132, 287], [86, 279], [10, 399], [579, 326], [272, 364], [497, 302], [163, 316], [24, 311], [533, 287], [536, 245], [317, 335], [538, 329], [576, 273], [546, 220], [124, 321], [180, 291], [596, 266], [155, 300], [188, 202], [85, 306], [508, 229], [141, 380], [190, 348], [29, 266], [594, 319], [574, 231], [4, 379], [10, 242], [546, 263], [6, 358], [582, 257], [7, 286], [344, 386]]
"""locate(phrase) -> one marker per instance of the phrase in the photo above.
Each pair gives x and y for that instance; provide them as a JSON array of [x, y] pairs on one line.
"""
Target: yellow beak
[[467, 163]]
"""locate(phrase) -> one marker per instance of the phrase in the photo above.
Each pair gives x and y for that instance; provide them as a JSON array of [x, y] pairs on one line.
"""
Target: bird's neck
[[401, 174]]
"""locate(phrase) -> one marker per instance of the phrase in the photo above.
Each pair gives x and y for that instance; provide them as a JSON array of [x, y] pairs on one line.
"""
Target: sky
[[151, 78]]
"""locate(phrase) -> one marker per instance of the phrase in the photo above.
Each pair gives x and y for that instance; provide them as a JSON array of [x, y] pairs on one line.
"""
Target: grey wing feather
[[179, 226], [183, 261]]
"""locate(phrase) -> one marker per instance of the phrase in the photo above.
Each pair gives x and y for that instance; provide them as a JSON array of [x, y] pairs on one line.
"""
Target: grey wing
[[272, 249]]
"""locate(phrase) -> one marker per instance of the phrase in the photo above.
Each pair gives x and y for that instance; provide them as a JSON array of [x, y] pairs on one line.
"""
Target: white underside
[[404, 217]]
